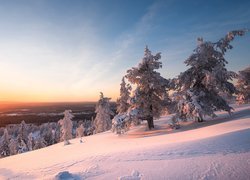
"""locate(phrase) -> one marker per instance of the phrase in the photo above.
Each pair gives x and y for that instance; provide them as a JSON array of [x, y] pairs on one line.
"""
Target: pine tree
[[80, 132], [150, 92], [22, 132], [40, 143], [66, 127], [13, 146], [243, 86], [102, 120], [121, 123], [47, 134], [122, 102], [31, 142], [22, 147], [22, 138], [5, 140], [200, 85]]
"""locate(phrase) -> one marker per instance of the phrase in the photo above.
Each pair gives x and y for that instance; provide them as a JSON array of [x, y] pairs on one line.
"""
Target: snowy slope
[[215, 149]]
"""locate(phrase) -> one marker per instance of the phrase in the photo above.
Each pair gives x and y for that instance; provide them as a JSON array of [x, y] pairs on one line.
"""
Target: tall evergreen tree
[[200, 85], [22, 132], [243, 86], [13, 146], [150, 92], [22, 147], [122, 102], [31, 142], [80, 132], [39, 143], [66, 126], [103, 111], [5, 140], [22, 138]]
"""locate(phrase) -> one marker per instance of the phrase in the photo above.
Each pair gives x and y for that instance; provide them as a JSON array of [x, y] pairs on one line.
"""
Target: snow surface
[[215, 149]]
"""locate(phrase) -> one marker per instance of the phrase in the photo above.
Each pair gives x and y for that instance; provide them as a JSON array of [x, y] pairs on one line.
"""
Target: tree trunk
[[200, 119], [150, 122]]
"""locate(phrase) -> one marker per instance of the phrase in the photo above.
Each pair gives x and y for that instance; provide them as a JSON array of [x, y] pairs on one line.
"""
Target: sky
[[70, 50]]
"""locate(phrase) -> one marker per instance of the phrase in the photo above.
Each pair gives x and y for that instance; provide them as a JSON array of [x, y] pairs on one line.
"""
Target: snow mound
[[135, 175]]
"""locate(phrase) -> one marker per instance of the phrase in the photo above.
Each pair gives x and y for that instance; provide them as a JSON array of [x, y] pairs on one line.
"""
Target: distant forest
[[39, 113]]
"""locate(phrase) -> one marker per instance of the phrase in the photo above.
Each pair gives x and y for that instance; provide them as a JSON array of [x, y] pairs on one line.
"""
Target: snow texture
[[215, 149]]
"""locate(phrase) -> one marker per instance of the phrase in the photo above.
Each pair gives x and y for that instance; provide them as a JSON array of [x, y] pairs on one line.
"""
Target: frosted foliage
[[22, 138], [66, 126], [122, 102], [22, 132], [31, 142], [13, 147], [4, 146], [102, 120], [80, 131], [200, 86], [243, 86], [121, 123], [40, 143], [22, 147], [150, 91]]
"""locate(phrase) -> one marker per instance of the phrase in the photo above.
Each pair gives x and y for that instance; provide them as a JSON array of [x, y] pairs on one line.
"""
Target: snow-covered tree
[[22, 138], [200, 85], [150, 92], [22, 132], [122, 102], [5, 140], [121, 123], [80, 132], [243, 86], [103, 111], [31, 142], [66, 127], [46, 132], [40, 143], [22, 147], [13, 146]]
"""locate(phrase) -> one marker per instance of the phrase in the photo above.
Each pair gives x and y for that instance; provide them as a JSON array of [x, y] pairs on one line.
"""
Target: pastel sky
[[70, 50]]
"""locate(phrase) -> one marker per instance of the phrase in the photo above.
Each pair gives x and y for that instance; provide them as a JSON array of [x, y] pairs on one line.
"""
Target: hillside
[[214, 149]]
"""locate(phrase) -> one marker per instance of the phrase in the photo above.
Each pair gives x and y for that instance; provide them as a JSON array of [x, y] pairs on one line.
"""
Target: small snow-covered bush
[[120, 123]]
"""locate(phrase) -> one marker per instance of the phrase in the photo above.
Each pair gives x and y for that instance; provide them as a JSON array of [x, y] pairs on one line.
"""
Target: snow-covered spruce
[[122, 102], [243, 86], [80, 132], [66, 126], [150, 93], [40, 143], [22, 138], [200, 85], [13, 146], [103, 111], [121, 123], [4, 144], [31, 142]]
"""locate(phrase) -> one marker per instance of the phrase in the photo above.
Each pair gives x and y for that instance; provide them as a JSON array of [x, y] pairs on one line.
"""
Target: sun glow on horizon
[[53, 96]]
